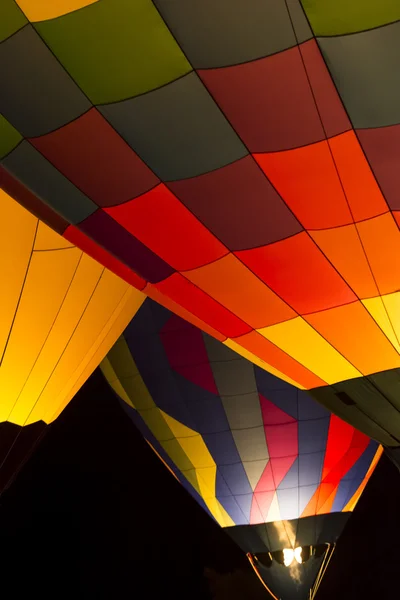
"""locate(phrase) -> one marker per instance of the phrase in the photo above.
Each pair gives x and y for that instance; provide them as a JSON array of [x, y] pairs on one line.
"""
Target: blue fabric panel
[[244, 501], [236, 478], [309, 408], [277, 391], [291, 479], [313, 435], [310, 468], [354, 477], [205, 408], [343, 494], [221, 488], [360, 468], [233, 509], [222, 448]]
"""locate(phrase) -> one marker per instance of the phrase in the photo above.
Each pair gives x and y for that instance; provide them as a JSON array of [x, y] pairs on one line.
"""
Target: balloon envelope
[[271, 465], [238, 161], [61, 312]]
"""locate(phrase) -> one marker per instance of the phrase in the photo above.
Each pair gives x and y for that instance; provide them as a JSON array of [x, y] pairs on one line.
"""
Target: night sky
[[95, 514]]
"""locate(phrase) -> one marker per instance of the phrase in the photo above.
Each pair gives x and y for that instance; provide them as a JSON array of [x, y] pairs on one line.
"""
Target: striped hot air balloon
[[272, 466], [238, 160]]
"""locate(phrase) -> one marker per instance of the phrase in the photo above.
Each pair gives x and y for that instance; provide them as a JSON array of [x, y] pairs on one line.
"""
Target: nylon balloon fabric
[[255, 448], [265, 460], [235, 160], [60, 313]]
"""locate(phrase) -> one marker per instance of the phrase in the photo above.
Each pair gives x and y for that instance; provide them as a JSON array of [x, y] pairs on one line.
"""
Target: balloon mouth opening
[[289, 556], [292, 557]]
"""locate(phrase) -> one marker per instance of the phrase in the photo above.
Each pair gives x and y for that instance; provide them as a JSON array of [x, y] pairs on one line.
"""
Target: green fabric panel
[[11, 18], [337, 17], [156, 423], [177, 455], [9, 136], [115, 49], [389, 384], [138, 392], [121, 360]]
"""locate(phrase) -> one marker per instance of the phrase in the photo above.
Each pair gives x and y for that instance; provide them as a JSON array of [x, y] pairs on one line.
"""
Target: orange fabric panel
[[299, 273], [234, 286], [362, 191], [396, 214], [161, 222], [381, 240], [326, 497], [254, 342], [308, 182], [327, 506], [352, 331], [311, 508], [194, 300], [342, 246]]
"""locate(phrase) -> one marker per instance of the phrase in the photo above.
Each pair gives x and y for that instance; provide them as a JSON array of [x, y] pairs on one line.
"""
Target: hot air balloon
[[235, 159], [60, 313], [272, 466]]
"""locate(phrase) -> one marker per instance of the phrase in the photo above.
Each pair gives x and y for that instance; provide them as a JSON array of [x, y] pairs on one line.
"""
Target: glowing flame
[[289, 555]]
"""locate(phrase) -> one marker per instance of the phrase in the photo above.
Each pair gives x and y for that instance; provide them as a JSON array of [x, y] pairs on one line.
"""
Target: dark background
[[95, 514]]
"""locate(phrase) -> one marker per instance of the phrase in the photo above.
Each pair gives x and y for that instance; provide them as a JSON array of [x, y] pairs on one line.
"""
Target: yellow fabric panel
[[178, 429], [121, 318], [97, 317], [386, 314], [64, 315], [192, 444], [191, 476], [129, 376], [257, 361], [206, 478], [43, 10], [113, 381], [305, 345], [60, 312], [219, 513], [45, 288], [15, 252], [273, 512], [177, 455], [155, 421], [350, 506], [47, 239]]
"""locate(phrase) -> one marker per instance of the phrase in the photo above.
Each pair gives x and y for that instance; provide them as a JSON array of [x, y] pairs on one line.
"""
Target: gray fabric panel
[[299, 20], [217, 351], [234, 377], [227, 32], [251, 443], [38, 175], [365, 67], [38, 95], [351, 414], [372, 403], [178, 130], [388, 383], [243, 411], [254, 469]]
